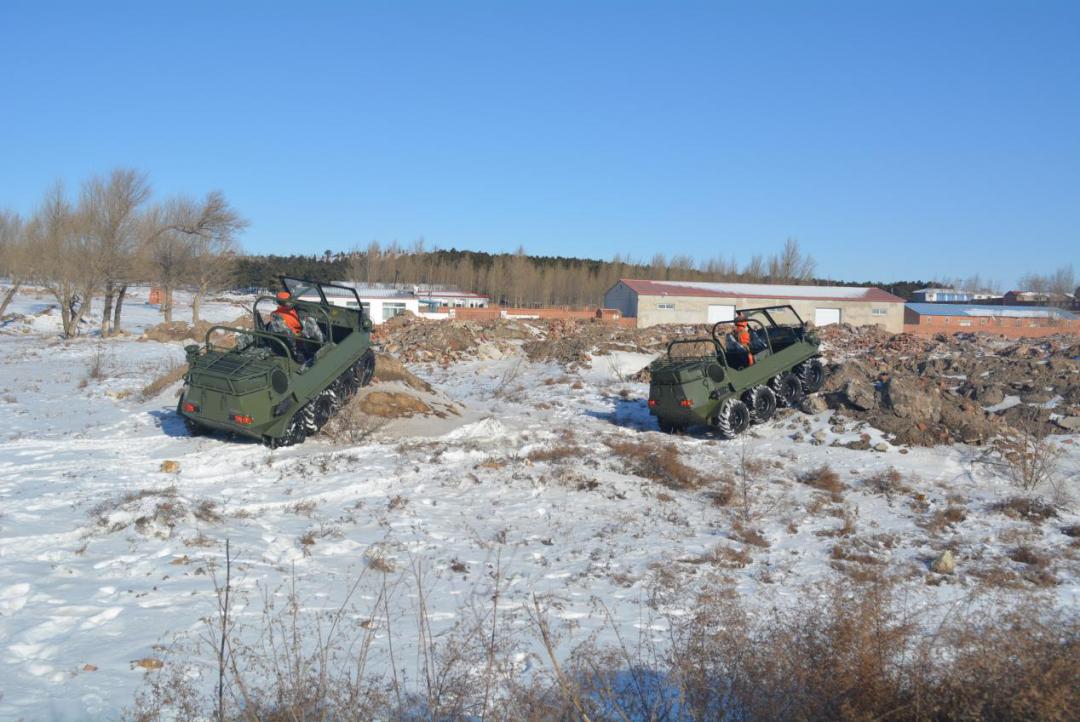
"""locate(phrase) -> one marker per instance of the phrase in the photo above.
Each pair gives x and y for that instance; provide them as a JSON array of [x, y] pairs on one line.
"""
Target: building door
[[825, 316], [721, 312]]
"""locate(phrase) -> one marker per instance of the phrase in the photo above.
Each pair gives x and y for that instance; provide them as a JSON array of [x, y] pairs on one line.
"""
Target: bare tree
[[64, 257], [791, 264], [14, 256], [111, 208], [181, 232]]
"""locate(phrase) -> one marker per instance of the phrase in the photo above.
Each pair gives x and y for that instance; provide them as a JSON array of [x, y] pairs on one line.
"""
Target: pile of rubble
[[569, 343], [953, 388], [418, 340], [182, 331]]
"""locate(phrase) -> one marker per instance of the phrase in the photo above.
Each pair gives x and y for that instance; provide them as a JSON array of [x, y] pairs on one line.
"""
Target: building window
[[965, 323], [879, 311], [666, 306], [389, 310]]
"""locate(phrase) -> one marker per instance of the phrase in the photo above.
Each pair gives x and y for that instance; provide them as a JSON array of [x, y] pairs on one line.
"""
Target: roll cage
[[311, 297], [776, 336]]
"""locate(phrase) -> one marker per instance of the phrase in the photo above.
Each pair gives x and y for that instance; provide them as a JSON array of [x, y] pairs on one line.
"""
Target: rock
[[860, 394], [860, 444], [1036, 397], [813, 404], [944, 564], [990, 395], [912, 399], [89, 667], [881, 446], [170, 467], [1069, 423], [820, 435]]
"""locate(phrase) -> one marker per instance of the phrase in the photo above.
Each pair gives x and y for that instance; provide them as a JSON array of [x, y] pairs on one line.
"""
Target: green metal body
[[689, 390], [272, 376]]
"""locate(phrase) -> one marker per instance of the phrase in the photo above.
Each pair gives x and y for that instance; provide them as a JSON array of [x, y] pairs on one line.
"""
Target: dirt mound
[[166, 332], [388, 369], [415, 339], [391, 404], [574, 343]]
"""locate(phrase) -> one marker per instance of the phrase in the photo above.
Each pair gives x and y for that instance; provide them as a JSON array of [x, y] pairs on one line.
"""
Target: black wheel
[[322, 408], [367, 368], [732, 419], [761, 401], [788, 389], [297, 430], [811, 375], [194, 428], [671, 428]]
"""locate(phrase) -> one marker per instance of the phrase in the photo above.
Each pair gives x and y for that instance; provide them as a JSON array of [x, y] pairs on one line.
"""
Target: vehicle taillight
[[686, 402], [240, 419], [652, 403], [190, 408]]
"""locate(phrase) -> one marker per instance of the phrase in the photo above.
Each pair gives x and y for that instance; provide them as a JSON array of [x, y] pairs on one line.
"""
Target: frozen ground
[[105, 558]]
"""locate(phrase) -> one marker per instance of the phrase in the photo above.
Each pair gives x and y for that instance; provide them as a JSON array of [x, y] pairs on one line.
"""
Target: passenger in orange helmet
[[742, 337], [287, 313]]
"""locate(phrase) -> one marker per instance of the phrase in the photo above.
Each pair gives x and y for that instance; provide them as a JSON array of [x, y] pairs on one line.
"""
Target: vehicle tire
[[669, 427], [761, 401], [322, 408], [811, 375], [297, 430], [732, 419], [367, 368], [788, 389]]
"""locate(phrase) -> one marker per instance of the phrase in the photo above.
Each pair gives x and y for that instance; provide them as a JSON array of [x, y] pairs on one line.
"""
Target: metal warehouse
[[657, 302], [928, 319]]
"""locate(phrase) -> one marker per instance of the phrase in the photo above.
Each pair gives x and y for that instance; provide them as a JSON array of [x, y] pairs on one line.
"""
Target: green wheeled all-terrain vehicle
[[739, 375], [283, 379]]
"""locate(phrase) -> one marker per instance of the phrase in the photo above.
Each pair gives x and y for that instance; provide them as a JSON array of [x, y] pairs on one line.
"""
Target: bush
[[658, 462], [824, 478]]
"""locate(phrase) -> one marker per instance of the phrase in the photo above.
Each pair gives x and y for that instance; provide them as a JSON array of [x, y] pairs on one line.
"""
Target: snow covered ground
[[105, 557]]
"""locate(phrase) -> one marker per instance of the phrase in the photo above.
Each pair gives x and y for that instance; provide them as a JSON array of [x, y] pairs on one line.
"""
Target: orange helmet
[[283, 295]]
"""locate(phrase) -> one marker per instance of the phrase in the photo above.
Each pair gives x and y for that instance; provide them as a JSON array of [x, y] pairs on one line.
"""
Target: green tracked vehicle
[[726, 385], [281, 382]]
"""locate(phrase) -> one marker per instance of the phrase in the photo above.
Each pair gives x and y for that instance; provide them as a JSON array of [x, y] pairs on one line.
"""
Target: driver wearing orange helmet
[[287, 313]]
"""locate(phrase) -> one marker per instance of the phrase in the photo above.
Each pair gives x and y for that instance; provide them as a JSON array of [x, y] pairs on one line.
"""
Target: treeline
[[519, 279], [110, 235]]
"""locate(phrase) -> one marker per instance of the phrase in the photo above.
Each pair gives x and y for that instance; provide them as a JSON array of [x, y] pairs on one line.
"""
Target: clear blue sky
[[893, 139]]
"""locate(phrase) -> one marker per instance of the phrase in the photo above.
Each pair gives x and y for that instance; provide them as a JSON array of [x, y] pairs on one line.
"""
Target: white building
[[452, 299], [660, 302]]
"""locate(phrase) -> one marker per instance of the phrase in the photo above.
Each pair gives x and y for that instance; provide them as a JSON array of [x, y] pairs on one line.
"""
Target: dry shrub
[[1028, 508], [889, 482], [749, 535], [389, 404], [173, 373], [944, 517], [658, 462], [824, 478], [848, 652], [1025, 458], [352, 425], [556, 453], [1026, 555], [857, 656]]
